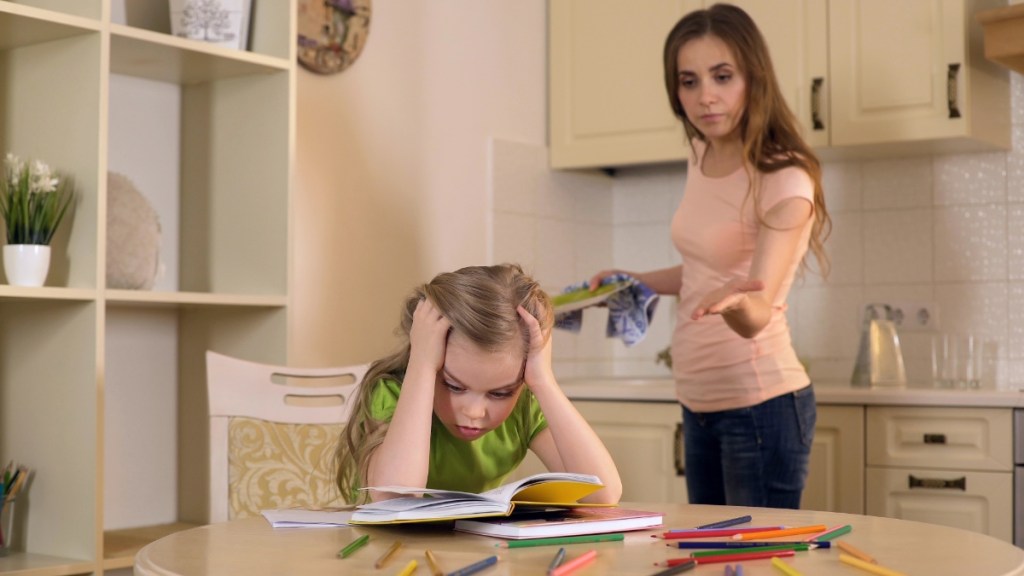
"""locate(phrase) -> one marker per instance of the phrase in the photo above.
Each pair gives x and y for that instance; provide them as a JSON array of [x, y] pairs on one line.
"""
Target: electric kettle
[[879, 360]]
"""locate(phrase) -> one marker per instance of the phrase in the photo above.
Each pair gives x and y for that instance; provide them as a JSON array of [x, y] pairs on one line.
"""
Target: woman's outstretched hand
[[727, 298]]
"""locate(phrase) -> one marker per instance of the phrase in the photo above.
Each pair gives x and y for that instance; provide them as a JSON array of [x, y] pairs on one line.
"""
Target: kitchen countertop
[[663, 390]]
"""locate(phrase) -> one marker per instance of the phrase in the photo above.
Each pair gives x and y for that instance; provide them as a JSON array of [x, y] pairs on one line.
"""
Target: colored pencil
[[801, 547], [353, 546], [559, 541], [435, 568], [783, 567], [475, 567], [835, 532], [738, 557], [712, 533], [855, 552], [409, 569], [867, 566], [742, 556], [734, 544], [387, 555], [779, 533], [575, 564], [684, 566], [557, 560], [725, 523]]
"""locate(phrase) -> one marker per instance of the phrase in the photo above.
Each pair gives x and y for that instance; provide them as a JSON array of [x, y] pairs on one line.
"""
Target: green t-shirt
[[475, 466]]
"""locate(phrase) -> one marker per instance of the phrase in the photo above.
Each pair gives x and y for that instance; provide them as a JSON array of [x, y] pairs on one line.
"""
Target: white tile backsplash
[[1015, 166], [970, 179], [899, 183], [970, 243], [843, 186], [1015, 241], [898, 246]]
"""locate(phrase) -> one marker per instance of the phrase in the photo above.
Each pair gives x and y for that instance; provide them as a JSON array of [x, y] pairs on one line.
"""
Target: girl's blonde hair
[[770, 131], [480, 302]]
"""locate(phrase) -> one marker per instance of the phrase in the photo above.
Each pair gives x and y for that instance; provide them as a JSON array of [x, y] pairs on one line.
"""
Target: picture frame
[[220, 22]]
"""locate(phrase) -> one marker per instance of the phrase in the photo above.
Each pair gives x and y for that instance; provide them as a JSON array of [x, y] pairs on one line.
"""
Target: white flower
[[41, 179], [12, 167]]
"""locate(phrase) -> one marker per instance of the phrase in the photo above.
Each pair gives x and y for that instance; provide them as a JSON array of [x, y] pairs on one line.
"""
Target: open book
[[426, 504]]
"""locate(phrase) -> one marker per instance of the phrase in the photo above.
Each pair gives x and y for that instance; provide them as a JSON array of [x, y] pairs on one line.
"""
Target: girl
[[753, 206], [468, 393]]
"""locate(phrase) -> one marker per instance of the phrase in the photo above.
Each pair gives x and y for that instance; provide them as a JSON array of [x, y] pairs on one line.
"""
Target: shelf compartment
[[125, 298], [48, 421], [18, 293], [21, 564], [165, 58], [22, 25], [121, 546]]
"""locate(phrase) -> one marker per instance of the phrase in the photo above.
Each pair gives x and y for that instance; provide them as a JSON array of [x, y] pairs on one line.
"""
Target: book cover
[[426, 504], [548, 523]]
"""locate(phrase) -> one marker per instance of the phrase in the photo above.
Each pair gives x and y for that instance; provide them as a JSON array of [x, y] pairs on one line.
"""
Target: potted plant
[[33, 201]]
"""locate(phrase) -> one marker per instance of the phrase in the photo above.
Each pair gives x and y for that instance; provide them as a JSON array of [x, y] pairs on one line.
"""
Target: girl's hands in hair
[[428, 338], [730, 297], [538, 357]]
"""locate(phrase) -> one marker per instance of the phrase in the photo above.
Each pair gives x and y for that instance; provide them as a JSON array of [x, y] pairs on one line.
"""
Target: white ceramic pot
[[26, 264]]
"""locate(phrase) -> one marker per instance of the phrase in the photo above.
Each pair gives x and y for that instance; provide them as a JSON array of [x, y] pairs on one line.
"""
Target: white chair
[[272, 441]]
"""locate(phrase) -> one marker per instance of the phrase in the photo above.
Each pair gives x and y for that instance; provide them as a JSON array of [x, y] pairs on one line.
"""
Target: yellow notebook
[[428, 505]]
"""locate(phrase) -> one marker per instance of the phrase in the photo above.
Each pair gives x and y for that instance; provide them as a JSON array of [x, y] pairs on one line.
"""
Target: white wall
[[392, 170]]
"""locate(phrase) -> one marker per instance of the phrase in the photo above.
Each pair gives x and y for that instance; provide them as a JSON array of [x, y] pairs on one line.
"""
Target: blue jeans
[[754, 456]]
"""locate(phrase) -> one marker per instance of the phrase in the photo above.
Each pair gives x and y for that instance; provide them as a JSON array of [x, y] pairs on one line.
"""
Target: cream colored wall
[[391, 182]]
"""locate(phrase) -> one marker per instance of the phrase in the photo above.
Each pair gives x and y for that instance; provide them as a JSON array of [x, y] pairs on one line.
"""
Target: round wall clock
[[332, 33]]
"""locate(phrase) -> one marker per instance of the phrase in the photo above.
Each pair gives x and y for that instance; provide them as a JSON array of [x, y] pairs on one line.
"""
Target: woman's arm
[[403, 457], [746, 305], [667, 281], [568, 444]]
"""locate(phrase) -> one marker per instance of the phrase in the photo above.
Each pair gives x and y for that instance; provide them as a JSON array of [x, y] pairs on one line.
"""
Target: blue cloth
[[630, 310]]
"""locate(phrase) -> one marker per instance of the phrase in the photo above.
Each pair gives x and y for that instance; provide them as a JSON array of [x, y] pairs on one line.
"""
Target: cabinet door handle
[[816, 121], [952, 90], [679, 457], [934, 438], [937, 483]]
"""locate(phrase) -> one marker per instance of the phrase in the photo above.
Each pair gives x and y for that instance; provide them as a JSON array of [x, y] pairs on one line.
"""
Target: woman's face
[[476, 390], [711, 87]]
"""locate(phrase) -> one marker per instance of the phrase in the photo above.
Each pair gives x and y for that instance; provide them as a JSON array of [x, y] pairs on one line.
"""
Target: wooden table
[[250, 546]]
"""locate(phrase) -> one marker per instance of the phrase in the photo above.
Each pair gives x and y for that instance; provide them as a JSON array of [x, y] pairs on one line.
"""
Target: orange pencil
[[856, 552], [779, 533], [572, 565]]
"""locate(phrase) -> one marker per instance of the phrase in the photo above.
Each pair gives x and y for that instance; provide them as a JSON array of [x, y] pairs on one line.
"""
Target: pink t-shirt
[[715, 230]]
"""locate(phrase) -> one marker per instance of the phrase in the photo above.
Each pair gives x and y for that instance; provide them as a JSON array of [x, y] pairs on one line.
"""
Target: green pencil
[[353, 546], [799, 547], [834, 533], [560, 541]]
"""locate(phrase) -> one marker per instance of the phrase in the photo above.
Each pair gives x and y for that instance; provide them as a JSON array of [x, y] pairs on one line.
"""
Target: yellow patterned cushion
[[272, 465]]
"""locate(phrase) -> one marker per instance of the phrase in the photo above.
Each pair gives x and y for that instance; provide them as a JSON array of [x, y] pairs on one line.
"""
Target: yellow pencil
[[867, 566], [387, 555], [783, 567], [779, 533], [435, 568], [409, 569], [855, 552]]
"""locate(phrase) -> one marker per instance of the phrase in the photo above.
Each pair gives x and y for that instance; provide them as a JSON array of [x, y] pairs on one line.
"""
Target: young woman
[[469, 392], [752, 208]]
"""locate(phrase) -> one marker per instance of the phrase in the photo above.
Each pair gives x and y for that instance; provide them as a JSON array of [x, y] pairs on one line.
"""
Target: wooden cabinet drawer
[[976, 501], [940, 438]]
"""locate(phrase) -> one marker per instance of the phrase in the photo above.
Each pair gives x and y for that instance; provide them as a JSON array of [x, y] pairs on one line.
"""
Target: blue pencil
[[557, 560], [726, 523], [690, 545], [475, 567]]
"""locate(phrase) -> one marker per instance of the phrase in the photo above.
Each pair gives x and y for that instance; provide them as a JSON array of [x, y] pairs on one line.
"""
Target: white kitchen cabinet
[[644, 440], [607, 100], [864, 78], [835, 482], [951, 466]]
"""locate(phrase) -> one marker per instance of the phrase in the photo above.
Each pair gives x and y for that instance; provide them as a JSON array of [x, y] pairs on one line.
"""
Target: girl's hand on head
[[729, 297], [428, 337], [538, 357]]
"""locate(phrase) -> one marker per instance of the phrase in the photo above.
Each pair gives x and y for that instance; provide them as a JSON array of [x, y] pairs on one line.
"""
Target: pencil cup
[[7, 525]]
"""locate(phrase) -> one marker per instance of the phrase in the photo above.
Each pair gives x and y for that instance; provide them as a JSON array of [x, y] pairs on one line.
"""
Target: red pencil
[[714, 533], [742, 556], [572, 565]]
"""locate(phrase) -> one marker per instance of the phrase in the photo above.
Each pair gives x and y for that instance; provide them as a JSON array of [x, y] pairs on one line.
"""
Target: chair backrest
[[271, 440]]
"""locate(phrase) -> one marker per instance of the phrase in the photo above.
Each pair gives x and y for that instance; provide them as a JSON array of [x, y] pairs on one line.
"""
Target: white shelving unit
[[102, 392]]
